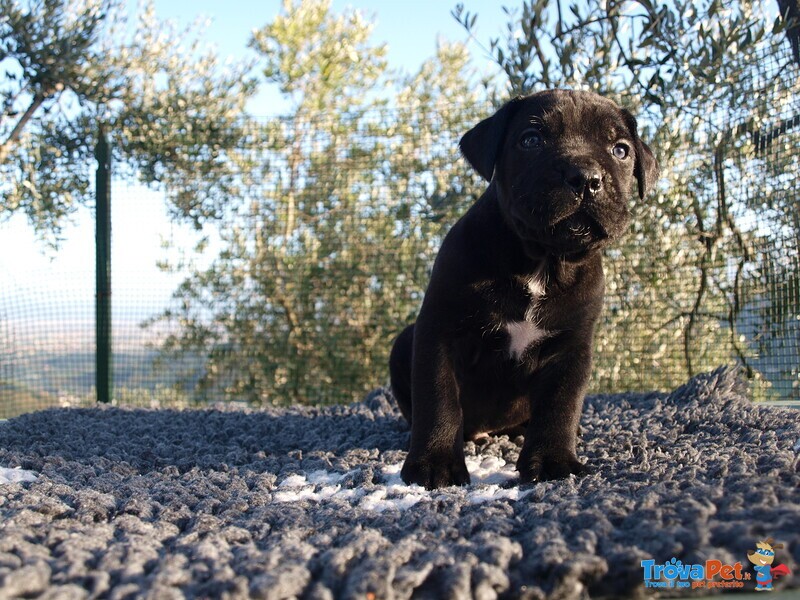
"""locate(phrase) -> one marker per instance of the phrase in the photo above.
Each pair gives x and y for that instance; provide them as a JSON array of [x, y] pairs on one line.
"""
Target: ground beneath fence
[[308, 502]]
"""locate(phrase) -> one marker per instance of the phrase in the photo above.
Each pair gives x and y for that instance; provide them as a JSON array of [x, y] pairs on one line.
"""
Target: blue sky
[[410, 28]]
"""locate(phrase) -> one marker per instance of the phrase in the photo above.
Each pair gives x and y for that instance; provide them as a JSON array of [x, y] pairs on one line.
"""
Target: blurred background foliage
[[327, 219]]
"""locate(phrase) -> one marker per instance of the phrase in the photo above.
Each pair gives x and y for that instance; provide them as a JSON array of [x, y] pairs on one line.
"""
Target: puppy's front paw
[[433, 472], [544, 465]]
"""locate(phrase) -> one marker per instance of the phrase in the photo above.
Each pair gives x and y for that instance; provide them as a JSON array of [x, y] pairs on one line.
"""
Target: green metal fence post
[[103, 362]]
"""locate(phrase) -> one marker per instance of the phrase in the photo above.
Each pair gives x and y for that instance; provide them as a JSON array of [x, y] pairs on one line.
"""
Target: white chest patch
[[522, 334]]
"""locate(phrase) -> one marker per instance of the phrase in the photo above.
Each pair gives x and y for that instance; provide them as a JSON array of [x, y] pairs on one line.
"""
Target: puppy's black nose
[[583, 179]]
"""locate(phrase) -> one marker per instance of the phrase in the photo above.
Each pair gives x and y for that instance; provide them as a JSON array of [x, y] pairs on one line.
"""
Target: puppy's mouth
[[582, 227], [572, 235], [577, 232]]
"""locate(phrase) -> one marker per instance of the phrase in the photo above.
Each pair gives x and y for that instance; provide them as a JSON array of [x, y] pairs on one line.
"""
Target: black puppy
[[503, 342]]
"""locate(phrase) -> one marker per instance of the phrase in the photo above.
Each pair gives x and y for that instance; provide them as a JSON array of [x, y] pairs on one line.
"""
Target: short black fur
[[503, 341]]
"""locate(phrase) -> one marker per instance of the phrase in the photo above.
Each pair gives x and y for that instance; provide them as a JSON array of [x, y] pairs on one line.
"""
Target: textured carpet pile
[[308, 503]]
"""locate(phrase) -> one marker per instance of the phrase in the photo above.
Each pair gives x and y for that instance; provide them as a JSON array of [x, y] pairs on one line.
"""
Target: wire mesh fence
[[323, 237]]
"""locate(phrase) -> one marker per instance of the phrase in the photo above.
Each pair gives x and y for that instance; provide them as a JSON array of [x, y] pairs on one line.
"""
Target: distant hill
[[16, 399]]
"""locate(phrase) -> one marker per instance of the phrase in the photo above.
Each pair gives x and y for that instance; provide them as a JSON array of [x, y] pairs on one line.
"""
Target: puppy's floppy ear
[[646, 167], [481, 144]]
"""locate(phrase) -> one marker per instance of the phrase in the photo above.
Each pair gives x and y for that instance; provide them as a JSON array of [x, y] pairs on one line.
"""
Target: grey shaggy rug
[[308, 503]]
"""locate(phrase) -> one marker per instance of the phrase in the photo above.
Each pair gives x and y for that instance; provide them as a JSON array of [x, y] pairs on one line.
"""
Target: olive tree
[[326, 250], [73, 68]]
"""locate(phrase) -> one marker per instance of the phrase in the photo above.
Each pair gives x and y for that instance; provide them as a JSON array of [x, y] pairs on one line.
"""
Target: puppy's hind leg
[[400, 370]]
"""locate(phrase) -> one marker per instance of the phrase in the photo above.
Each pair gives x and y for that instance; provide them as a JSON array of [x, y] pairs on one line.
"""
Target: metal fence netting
[[328, 227]]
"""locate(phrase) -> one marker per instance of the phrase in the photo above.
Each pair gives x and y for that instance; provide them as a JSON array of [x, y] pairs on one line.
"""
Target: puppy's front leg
[[556, 401], [436, 456]]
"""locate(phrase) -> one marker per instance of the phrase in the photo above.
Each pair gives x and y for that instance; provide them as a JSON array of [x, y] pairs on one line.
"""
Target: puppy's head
[[565, 164]]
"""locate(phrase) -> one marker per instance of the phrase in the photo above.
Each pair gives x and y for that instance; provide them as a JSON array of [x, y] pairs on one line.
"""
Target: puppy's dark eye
[[621, 151], [530, 139]]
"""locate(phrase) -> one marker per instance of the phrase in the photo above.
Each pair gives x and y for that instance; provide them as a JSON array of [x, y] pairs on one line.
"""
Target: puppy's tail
[[400, 370]]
